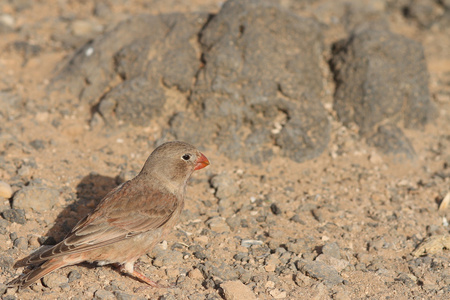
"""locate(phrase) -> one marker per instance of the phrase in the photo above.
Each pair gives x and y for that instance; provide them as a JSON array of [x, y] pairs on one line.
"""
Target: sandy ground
[[377, 210]]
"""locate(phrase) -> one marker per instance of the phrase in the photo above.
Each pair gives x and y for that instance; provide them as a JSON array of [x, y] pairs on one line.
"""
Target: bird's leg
[[129, 269]]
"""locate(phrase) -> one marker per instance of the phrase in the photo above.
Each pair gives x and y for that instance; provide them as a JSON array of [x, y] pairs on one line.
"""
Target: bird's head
[[174, 162]]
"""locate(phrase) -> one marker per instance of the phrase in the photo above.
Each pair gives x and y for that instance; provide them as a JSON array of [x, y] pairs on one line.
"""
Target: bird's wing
[[126, 211]]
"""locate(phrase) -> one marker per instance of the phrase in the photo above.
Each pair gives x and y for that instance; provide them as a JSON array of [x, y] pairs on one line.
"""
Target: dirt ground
[[342, 226]]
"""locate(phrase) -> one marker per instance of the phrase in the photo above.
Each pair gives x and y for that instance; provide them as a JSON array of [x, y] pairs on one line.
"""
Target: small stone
[[296, 218], [320, 271], [103, 294], [249, 243], [233, 222], [54, 280], [331, 249], [3, 226], [37, 144], [218, 224], [236, 290], [276, 210], [74, 275], [5, 190], [272, 261], [38, 198], [338, 264], [14, 215], [195, 274], [167, 257], [21, 243], [6, 262], [124, 296], [277, 294]]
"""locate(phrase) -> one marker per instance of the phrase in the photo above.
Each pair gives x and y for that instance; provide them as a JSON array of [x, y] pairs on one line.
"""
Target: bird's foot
[[143, 278]]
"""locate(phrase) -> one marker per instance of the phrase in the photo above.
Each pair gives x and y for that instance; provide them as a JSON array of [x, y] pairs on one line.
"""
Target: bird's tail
[[34, 275]]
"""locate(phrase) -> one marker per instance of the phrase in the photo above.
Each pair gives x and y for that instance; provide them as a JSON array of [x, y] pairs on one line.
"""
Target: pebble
[[218, 224], [38, 198], [54, 280], [271, 263], [338, 264], [195, 274], [167, 257], [296, 218], [6, 262], [276, 210], [5, 190], [277, 294], [124, 296], [14, 215], [74, 275], [234, 222], [249, 243], [103, 294], [320, 271], [3, 226], [331, 249], [21, 243], [37, 144], [236, 290]]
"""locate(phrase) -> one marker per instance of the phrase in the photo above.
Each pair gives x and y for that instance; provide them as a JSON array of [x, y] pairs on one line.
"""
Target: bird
[[128, 222]]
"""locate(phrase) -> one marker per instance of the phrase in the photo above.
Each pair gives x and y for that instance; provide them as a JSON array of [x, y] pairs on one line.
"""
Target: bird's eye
[[186, 157]]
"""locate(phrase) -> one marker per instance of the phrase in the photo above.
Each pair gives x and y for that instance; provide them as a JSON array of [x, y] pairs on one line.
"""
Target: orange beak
[[201, 162]]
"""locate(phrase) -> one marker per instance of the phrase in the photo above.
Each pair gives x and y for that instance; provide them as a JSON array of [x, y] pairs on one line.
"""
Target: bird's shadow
[[89, 191]]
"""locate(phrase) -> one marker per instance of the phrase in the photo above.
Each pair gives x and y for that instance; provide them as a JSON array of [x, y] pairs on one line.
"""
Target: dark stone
[[134, 101], [381, 78], [37, 144], [253, 52], [320, 271], [391, 140], [276, 210], [156, 48], [74, 276], [14, 215]]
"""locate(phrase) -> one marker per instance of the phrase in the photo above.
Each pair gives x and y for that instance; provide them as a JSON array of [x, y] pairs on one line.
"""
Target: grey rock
[[153, 47], [391, 140], [332, 249], [276, 210], [21, 243], [234, 222], [74, 276], [167, 258], [249, 243], [320, 271], [6, 262], [254, 50], [124, 296], [37, 144], [223, 271], [15, 215], [381, 78], [298, 246], [297, 219], [38, 198], [134, 101], [54, 280], [425, 12], [3, 225]]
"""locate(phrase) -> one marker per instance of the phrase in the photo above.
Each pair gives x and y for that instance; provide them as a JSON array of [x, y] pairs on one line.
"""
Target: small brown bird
[[129, 221]]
